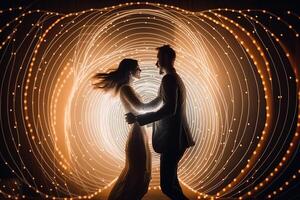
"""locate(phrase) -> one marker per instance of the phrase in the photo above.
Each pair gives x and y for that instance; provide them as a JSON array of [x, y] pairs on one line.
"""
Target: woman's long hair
[[114, 79]]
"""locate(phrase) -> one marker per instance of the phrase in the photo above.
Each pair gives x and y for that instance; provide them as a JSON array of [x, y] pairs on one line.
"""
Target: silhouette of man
[[171, 134]]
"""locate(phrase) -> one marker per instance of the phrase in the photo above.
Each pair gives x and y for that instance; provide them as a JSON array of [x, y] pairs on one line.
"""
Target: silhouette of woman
[[133, 182]]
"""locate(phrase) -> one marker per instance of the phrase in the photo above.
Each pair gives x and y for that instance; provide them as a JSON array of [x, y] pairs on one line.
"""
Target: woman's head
[[130, 67], [114, 79]]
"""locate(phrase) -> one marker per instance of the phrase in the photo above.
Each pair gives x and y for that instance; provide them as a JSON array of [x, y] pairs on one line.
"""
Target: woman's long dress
[[134, 179]]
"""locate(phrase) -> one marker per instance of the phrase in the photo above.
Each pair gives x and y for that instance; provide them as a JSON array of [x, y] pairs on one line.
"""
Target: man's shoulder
[[172, 77]]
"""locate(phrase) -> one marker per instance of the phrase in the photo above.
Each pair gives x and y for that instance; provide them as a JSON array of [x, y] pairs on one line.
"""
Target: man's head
[[165, 58]]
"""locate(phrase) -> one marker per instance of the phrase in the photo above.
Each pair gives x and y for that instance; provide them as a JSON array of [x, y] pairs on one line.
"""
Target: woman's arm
[[128, 93], [153, 103], [130, 96]]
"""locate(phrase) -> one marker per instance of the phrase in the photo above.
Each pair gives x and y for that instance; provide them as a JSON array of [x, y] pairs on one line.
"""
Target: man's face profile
[[159, 63]]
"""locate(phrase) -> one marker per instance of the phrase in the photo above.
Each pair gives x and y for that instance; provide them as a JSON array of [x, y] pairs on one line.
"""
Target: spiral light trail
[[242, 82]]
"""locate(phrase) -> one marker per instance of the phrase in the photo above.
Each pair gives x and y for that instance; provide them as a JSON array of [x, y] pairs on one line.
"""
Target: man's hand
[[130, 118]]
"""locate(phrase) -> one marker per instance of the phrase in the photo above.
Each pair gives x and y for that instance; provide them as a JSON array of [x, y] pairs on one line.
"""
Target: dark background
[[66, 6]]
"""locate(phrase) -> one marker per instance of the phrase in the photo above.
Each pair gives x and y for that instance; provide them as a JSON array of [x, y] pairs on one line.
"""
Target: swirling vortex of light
[[226, 70]]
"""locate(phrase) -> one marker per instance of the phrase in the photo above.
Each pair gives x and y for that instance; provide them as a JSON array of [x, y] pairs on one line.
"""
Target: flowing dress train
[[133, 182]]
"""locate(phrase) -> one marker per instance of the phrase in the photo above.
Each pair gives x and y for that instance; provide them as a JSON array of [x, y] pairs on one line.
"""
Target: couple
[[171, 134]]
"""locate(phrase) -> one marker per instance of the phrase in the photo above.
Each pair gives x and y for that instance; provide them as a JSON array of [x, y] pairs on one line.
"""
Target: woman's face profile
[[137, 73]]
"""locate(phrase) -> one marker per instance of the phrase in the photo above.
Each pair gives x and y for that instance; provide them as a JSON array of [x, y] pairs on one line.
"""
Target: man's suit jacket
[[170, 129]]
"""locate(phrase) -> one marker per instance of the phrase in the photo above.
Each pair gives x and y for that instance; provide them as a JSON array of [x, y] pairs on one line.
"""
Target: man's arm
[[169, 98]]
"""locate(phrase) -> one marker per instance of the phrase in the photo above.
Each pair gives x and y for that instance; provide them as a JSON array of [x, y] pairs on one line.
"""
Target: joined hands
[[130, 118]]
